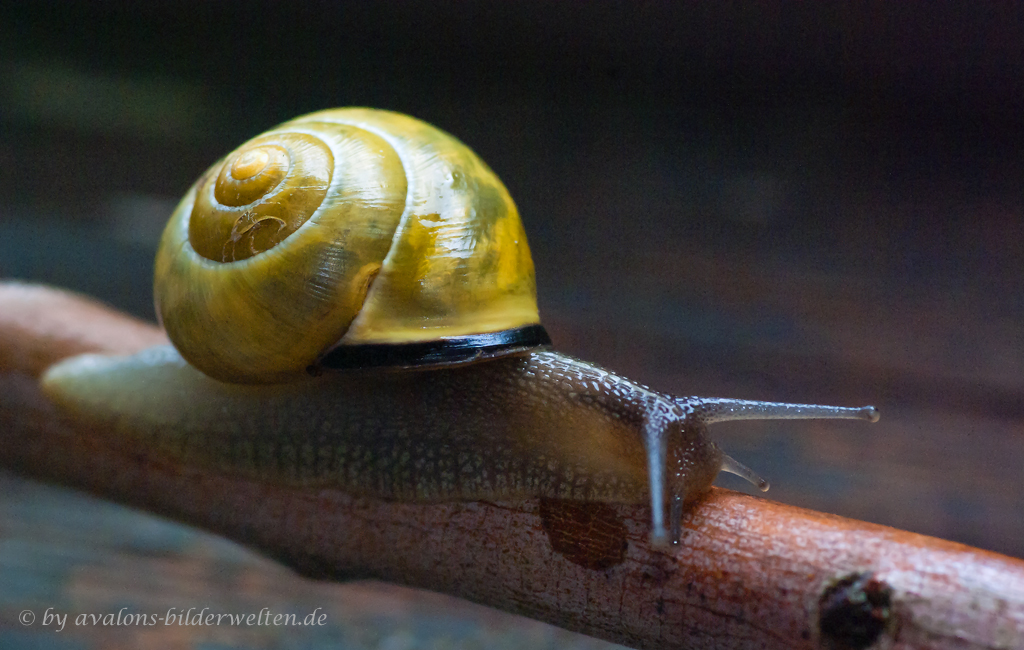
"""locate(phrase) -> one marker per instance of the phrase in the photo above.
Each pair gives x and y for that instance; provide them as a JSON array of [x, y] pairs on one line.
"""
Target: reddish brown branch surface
[[750, 573]]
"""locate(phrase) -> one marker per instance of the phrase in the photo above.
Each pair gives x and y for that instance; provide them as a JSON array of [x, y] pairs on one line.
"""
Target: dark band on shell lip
[[448, 351]]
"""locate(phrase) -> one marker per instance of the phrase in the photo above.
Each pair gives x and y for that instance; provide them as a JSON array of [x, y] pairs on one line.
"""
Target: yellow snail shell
[[348, 226]]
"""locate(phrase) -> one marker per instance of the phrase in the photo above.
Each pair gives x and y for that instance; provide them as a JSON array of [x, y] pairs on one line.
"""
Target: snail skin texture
[[352, 304]]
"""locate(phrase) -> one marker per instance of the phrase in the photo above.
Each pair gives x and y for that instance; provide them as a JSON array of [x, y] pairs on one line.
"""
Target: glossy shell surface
[[345, 226]]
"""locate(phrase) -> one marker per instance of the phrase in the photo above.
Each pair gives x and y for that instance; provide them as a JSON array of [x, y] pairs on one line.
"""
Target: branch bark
[[749, 573]]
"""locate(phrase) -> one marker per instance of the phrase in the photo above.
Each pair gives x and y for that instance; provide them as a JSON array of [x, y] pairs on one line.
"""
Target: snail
[[352, 304]]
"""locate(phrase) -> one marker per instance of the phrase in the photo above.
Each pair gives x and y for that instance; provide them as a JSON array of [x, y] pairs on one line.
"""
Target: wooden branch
[[749, 573]]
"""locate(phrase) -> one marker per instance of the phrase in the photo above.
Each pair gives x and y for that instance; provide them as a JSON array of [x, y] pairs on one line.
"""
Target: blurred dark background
[[794, 201]]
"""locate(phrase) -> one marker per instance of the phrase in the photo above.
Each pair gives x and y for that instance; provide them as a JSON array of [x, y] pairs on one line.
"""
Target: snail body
[[490, 430], [385, 341]]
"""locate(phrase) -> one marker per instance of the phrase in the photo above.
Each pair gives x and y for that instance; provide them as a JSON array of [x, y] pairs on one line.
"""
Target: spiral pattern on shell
[[347, 226]]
